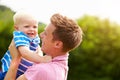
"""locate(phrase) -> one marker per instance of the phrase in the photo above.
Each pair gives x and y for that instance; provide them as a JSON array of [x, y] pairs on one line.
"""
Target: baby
[[27, 42]]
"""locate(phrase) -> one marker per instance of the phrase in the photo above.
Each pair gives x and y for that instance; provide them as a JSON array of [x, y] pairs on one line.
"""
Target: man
[[60, 36]]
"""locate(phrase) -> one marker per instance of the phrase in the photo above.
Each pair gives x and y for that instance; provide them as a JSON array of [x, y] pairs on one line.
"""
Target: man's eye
[[45, 33]]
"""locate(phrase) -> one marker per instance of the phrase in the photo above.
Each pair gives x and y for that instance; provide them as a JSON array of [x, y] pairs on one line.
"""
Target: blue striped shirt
[[20, 39]]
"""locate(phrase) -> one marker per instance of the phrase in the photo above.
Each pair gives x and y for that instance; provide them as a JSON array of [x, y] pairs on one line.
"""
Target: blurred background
[[98, 56]]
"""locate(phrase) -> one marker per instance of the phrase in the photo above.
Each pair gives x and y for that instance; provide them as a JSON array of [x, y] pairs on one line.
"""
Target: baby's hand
[[39, 52], [46, 59]]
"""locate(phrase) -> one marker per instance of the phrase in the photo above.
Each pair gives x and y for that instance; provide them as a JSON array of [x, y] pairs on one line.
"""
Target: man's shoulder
[[41, 69], [49, 67], [45, 67]]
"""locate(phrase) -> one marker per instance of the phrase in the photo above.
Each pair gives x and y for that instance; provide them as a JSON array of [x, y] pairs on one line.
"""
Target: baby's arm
[[32, 55]]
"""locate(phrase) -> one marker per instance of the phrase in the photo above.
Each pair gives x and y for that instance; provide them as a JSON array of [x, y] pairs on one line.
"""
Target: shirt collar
[[61, 58]]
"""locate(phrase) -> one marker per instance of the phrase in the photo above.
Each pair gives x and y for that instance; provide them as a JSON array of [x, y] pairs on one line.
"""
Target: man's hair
[[67, 31], [21, 15]]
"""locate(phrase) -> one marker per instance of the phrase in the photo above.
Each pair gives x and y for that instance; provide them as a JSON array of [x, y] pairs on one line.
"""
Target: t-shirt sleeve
[[20, 39]]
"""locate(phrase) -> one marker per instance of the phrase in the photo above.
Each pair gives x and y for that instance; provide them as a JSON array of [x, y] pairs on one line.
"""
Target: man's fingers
[[11, 44]]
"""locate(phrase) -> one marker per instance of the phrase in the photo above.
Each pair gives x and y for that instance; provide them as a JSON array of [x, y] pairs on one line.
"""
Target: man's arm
[[16, 57], [22, 77], [11, 74]]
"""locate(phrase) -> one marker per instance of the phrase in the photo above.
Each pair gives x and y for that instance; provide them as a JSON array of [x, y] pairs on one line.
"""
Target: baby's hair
[[19, 16]]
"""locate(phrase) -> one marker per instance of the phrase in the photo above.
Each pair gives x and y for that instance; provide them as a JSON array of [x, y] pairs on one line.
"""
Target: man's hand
[[13, 51], [39, 52]]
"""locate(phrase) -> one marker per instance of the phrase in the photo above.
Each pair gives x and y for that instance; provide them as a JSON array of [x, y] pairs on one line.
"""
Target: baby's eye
[[34, 26], [26, 26]]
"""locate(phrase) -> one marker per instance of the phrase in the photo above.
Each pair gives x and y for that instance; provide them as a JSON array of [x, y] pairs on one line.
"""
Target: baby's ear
[[15, 27]]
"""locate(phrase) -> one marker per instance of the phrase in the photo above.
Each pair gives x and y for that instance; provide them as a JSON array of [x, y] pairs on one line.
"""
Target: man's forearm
[[11, 74]]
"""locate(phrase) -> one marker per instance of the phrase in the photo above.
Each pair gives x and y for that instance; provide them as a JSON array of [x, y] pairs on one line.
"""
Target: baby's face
[[29, 27]]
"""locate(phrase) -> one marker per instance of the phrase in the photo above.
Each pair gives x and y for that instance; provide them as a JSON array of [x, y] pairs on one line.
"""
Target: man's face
[[47, 42]]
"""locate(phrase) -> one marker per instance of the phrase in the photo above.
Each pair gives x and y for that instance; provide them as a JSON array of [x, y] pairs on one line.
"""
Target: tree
[[98, 57], [6, 28]]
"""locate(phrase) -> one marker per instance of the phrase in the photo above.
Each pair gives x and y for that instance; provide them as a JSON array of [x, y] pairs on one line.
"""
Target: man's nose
[[41, 35]]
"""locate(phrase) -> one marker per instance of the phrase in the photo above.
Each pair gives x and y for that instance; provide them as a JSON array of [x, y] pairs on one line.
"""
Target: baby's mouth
[[30, 34]]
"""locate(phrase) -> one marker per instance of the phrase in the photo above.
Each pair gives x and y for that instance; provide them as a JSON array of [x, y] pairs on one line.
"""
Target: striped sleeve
[[20, 39], [6, 61]]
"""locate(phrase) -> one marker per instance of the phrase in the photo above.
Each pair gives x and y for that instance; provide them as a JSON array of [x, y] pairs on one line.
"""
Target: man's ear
[[15, 27], [58, 44]]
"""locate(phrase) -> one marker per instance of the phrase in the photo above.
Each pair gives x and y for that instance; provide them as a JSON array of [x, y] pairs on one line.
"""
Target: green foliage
[[41, 27], [6, 28], [98, 57]]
